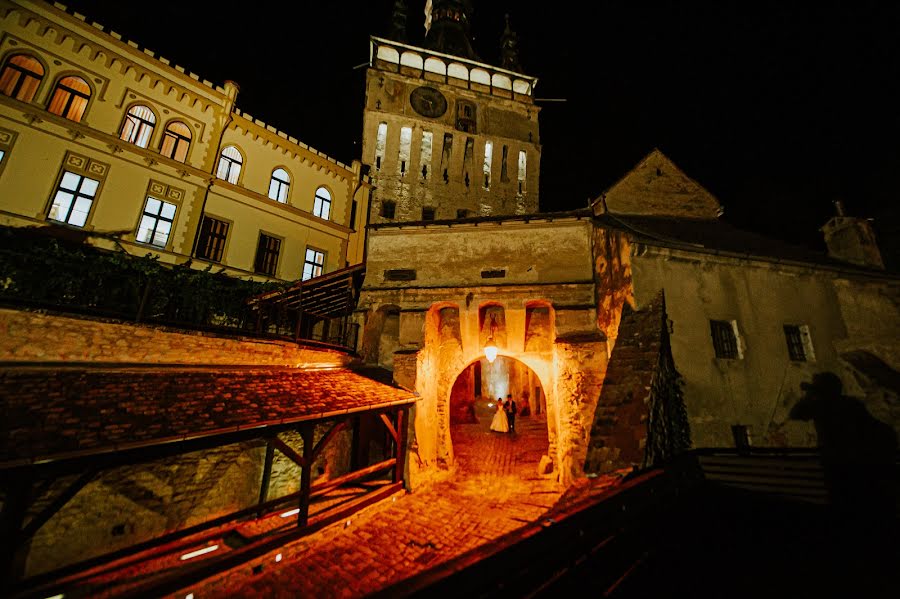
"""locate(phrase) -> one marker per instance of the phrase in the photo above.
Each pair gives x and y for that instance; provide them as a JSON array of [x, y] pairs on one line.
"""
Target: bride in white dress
[[500, 423]]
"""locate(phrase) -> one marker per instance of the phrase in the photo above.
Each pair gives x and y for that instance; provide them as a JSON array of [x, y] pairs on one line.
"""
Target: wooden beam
[[390, 426], [305, 475], [62, 499], [324, 487], [288, 451], [338, 427], [403, 429], [266, 477]]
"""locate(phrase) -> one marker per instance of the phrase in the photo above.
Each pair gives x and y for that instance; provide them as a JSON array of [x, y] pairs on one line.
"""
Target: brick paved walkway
[[495, 491]]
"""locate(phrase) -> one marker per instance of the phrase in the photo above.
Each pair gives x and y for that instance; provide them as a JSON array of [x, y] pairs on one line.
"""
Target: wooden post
[[402, 432], [143, 304], [267, 475], [305, 475], [299, 323], [18, 496]]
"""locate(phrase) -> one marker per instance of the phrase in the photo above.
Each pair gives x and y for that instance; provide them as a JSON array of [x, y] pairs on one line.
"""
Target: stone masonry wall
[[38, 337]]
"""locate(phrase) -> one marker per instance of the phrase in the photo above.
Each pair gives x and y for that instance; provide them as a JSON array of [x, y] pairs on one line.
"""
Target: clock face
[[428, 102]]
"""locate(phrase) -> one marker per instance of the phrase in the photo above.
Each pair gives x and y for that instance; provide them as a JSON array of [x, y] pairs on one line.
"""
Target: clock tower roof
[[447, 26]]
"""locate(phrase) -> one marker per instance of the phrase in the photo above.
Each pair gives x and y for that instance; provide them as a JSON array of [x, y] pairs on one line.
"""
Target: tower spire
[[509, 49], [449, 28], [398, 22]]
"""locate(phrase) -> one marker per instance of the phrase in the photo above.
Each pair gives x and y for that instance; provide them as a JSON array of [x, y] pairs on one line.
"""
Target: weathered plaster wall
[[759, 389]]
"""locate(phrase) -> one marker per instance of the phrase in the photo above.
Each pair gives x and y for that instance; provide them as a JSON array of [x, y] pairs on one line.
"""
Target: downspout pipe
[[231, 90]]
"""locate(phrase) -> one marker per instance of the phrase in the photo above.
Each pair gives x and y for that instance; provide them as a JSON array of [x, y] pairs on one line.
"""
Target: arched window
[[322, 204], [279, 185], [176, 141], [20, 77], [230, 165], [70, 98], [138, 126]]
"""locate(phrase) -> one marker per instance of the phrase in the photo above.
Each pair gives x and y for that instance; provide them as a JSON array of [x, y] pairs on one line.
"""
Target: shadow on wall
[[858, 458]]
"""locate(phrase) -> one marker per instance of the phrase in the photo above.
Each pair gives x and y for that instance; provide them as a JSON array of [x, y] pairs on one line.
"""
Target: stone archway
[[482, 382], [479, 452]]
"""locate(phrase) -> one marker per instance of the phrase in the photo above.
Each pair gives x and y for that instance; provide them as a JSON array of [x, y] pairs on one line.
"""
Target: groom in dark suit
[[511, 409]]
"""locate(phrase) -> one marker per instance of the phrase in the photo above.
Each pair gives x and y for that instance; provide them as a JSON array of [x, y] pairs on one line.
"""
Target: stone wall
[[130, 504], [39, 337]]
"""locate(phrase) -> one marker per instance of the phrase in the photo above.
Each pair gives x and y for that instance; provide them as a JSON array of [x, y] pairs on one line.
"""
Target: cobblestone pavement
[[496, 490]]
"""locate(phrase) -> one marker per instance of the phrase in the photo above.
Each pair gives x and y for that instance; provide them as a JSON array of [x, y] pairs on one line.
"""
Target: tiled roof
[[711, 235], [49, 412]]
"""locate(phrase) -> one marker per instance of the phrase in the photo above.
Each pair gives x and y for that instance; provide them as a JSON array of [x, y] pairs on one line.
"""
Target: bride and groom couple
[[505, 419]]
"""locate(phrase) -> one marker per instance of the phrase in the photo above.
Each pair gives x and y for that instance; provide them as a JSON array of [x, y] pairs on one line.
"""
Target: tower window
[[504, 176], [446, 154], [156, 222], [522, 163], [176, 141], [138, 126], [465, 116], [725, 339], [405, 141], [427, 213], [279, 185], [230, 163], [425, 153], [380, 142], [388, 208], [20, 77], [322, 203], [488, 158], [70, 98]]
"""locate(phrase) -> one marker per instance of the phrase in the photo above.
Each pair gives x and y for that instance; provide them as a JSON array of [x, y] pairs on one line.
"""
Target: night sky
[[778, 110]]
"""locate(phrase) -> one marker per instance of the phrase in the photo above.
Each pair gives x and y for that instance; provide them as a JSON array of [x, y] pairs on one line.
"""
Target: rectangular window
[[462, 213], [156, 222], [388, 208], [380, 142], [446, 153], [405, 141], [425, 154], [468, 159], [725, 341], [427, 213], [313, 264], [504, 158], [73, 199], [799, 344], [488, 158], [211, 242], [353, 209], [267, 254], [522, 160]]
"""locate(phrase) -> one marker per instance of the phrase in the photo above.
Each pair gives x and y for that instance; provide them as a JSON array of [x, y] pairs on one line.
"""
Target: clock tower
[[446, 135]]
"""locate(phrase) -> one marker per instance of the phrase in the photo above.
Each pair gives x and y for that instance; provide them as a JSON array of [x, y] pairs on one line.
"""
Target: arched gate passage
[[473, 402]]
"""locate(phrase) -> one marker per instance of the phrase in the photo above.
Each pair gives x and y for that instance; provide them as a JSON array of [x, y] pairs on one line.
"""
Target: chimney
[[851, 239]]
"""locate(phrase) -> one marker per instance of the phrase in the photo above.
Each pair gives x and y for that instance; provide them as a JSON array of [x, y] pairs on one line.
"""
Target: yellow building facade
[[102, 136]]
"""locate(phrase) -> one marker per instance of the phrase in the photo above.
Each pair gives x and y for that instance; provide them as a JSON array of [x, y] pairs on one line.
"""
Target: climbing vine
[[43, 271]]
